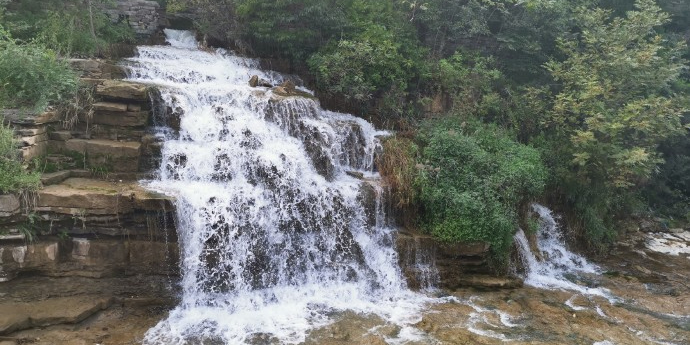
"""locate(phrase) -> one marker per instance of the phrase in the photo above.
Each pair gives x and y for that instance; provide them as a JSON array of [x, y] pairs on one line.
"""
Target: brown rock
[[125, 119], [133, 107], [84, 194], [289, 86], [22, 117], [280, 91], [125, 90], [34, 139], [485, 282], [98, 197], [109, 106], [55, 178], [87, 66], [30, 152], [29, 132], [54, 311], [60, 135], [110, 155], [254, 81]]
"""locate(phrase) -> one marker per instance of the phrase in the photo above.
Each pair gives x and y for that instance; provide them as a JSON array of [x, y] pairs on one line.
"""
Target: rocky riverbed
[[650, 292]]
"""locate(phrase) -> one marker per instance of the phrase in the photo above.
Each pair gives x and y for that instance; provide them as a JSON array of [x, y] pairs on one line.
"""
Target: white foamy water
[[275, 238], [558, 265], [671, 244]]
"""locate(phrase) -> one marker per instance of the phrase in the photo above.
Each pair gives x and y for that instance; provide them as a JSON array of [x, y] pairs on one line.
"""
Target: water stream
[[559, 267], [276, 239]]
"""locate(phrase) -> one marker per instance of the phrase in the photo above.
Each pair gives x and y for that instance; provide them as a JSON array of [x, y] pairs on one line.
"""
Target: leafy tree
[[359, 68], [613, 106]]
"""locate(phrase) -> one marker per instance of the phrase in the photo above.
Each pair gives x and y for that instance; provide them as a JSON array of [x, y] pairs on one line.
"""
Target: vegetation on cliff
[[36, 38], [579, 102], [584, 99]]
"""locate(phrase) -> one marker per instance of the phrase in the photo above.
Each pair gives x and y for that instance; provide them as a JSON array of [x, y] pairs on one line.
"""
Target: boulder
[[255, 81], [289, 91], [288, 86], [123, 90]]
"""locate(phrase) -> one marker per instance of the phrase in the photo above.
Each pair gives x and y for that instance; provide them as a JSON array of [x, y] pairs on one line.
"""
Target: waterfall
[[276, 238], [559, 265]]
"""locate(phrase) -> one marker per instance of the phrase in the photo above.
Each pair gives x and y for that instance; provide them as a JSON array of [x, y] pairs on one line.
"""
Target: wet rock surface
[[77, 310], [652, 307]]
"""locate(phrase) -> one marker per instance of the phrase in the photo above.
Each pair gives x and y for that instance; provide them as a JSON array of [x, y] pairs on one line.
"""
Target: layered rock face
[[91, 218]]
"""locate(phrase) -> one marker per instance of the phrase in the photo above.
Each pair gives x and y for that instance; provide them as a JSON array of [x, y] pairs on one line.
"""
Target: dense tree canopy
[[587, 98]]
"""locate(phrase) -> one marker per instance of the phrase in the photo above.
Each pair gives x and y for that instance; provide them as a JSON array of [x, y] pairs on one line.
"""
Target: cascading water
[[275, 236], [559, 264]]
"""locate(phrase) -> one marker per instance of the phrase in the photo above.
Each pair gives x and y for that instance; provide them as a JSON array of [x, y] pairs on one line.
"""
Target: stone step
[[55, 177], [123, 90], [53, 311], [107, 155], [78, 196], [86, 256]]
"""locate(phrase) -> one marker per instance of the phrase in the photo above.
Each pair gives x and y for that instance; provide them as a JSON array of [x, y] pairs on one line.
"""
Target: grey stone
[[9, 205]]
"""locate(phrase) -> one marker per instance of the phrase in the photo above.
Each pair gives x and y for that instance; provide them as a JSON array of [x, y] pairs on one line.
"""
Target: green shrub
[[68, 27], [359, 68], [473, 181], [68, 33], [32, 76]]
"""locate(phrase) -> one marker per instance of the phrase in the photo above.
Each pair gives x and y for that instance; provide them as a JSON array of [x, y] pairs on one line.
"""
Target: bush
[[357, 69], [68, 33], [68, 27], [32, 76], [397, 166], [473, 181]]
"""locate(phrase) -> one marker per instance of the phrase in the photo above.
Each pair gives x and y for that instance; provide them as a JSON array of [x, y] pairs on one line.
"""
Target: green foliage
[[469, 81], [614, 87], [31, 75], [613, 104], [669, 192], [471, 184], [13, 177], [612, 109], [294, 28], [73, 27], [357, 69], [30, 228]]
